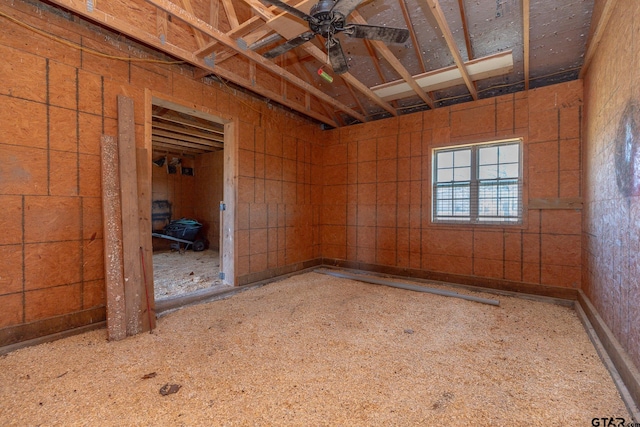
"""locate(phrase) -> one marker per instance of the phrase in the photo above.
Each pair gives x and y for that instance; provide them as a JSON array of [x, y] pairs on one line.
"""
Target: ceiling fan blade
[[374, 32], [345, 7], [336, 56], [292, 10], [288, 45]]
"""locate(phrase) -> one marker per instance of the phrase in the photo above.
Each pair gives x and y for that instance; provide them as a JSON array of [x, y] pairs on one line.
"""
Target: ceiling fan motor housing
[[327, 21]]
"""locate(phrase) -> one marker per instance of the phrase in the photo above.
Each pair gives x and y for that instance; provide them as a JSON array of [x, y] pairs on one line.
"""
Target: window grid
[[480, 183]]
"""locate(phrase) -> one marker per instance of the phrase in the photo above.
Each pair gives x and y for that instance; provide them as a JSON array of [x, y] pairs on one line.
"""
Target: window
[[479, 183]]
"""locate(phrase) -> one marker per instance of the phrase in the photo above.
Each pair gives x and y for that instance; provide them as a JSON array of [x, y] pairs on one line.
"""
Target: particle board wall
[[377, 207], [209, 181], [55, 103], [178, 189], [611, 231], [280, 196]]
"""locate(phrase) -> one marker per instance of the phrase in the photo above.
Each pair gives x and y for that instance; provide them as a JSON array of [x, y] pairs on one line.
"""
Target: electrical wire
[[83, 48], [104, 55]]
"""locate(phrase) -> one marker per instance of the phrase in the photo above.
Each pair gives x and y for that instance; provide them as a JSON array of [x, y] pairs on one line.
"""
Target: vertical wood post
[[144, 215], [227, 222], [112, 229], [134, 291]]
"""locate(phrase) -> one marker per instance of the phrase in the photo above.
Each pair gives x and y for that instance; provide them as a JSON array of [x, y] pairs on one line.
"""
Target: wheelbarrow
[[183, 231]]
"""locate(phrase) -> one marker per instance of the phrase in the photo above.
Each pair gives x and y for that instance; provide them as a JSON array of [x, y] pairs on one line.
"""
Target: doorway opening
[[187, 189]]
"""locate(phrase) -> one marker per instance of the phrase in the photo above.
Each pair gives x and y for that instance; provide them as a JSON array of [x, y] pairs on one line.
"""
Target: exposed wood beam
[[435, 8], [161, 25], [386, 53], [214, 12], [412, 33], [119, 25], [526, 25], [314, 51], [188, 132], [284, 23], [248, 39], [465, 29], [596, 34], [302, 71], [182, 122], [199, 39], [355, 97], [348, 77], [481, 68], [159, 151], [201, 142], [181, 14], [176, 149], [244, 28], [374, 59], [166, 137], [231, 13], [467, 38]]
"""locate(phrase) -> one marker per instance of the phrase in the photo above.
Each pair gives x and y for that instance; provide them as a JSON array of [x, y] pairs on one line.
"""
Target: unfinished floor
[[178, 273], [319, 350]]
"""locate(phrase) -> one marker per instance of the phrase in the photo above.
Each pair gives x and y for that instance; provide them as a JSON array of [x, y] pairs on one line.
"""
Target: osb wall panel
[[209, 185], [55, 103], [177, 188], [377, 194], [611, 234], [279, 198]]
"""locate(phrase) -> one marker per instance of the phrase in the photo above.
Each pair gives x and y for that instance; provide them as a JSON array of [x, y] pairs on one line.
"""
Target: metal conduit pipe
[[408, 287]]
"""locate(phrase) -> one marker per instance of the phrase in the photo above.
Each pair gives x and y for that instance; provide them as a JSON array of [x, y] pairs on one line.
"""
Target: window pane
[[462, 174], [488, 172], [491, 194], [445, 159], [508, 190], [444, 193], [443, 208], [509, 170], [488, 155], [509, 153], [462, 158], [445, 175], [461, 208], [487, 207], [487, 191], [461, 192]]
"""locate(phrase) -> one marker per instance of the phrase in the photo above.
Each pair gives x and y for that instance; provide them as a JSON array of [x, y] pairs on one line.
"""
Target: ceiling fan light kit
[[328, 18]]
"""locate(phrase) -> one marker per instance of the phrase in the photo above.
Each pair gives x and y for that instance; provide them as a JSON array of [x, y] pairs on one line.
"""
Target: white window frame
[[464, 191]]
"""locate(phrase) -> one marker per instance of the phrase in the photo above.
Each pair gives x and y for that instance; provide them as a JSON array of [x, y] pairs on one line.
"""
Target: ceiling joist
[[526, 45], [395, 63], [192, 31], [481, 68], [438, 14], [193, 21]]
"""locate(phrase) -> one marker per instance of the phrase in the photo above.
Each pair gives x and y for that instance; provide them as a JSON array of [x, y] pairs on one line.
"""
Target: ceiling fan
[[328, 18]]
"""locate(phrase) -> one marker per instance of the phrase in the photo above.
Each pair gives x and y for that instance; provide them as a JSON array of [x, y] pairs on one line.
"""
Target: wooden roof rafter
[[135, 32], [319, 54], [438, 14], [386, 53], [412, 34], [200, 25], [525, 41]]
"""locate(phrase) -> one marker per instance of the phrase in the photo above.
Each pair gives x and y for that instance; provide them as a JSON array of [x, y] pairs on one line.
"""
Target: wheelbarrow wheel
[[199, 245]]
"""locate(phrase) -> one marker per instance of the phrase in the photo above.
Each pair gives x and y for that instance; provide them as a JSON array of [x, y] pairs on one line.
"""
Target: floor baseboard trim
[[53, 337], [624, 373]]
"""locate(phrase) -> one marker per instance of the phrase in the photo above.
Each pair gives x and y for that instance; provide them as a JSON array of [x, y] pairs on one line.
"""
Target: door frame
[[228, 216]]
